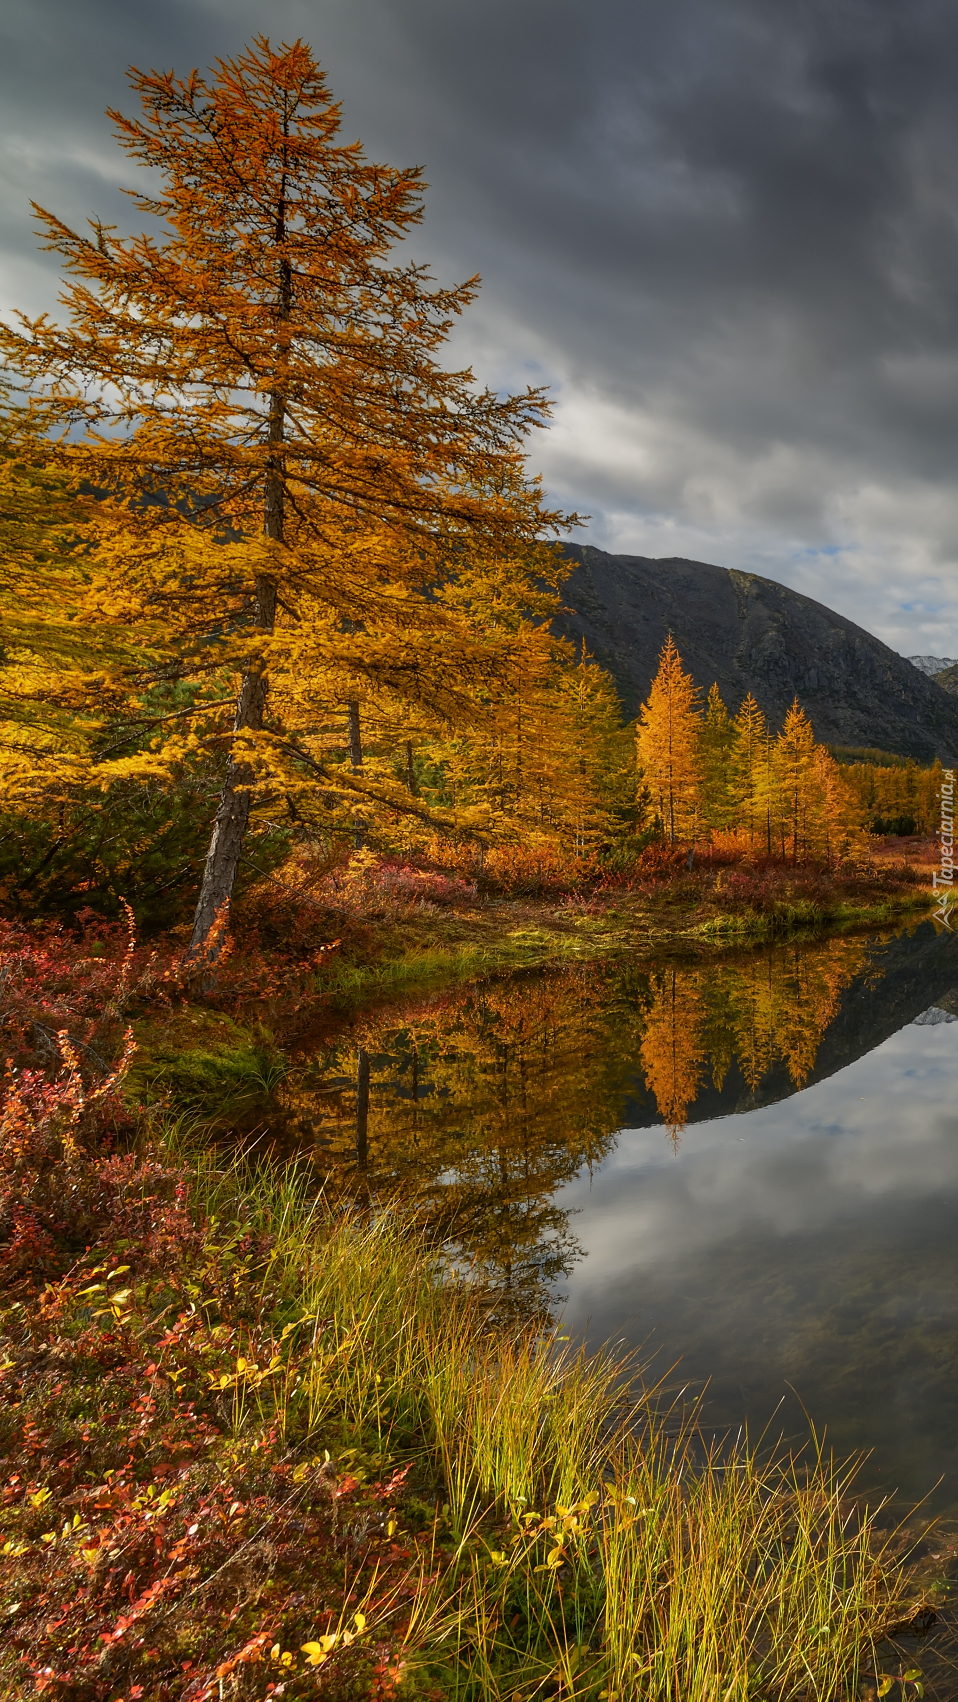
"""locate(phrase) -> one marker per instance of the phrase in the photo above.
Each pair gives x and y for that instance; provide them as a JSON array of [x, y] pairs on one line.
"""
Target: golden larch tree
[[277, 451], [668, 745], [749, 735], [800, 803], [717, 741]]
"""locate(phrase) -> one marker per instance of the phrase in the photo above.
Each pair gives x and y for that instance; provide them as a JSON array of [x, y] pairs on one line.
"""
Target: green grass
[[587, 1546], [208, 1079], [515, 948], [792, 917]]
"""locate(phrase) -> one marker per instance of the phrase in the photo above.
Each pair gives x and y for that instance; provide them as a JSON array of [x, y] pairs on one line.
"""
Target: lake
[[745, 1164]]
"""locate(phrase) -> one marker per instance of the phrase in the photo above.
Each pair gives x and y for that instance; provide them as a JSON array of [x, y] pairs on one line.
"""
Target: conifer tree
[[275, 445], [800, 804], [668, 745], [717, 741], [745, 767]]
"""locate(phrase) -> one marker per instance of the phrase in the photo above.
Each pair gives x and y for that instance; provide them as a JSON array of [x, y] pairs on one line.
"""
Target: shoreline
[[503, 936]]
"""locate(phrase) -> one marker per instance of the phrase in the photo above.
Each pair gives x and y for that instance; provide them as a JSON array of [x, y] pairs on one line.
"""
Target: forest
[[278, 585], [284, 727]]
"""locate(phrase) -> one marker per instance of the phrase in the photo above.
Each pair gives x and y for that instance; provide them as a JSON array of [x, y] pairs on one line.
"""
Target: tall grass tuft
[[589, 1546]]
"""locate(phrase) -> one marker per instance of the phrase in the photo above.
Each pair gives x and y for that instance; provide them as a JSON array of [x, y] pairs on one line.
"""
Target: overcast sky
[[725, 233]]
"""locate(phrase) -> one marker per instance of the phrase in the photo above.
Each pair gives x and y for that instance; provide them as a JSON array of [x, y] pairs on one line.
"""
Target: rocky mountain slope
[[751, 634], [948, 679]]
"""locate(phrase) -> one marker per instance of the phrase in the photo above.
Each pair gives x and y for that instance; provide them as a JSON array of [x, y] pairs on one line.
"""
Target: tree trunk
[[362, 1108], [232, 817], [355, 737], [355, 760], [410, 769]]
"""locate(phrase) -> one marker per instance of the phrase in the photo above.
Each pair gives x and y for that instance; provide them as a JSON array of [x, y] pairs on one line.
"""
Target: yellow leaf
[[361, 1626], [314, 1652]]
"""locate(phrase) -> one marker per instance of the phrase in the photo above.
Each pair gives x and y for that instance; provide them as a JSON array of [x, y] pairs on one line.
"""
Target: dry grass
[[589, 1546]]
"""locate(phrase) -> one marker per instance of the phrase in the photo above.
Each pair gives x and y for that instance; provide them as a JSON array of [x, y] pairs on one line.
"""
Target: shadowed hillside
[[751, 634]]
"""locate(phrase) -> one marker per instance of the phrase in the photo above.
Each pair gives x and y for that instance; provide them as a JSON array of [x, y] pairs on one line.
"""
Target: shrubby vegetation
[[253, 1446]]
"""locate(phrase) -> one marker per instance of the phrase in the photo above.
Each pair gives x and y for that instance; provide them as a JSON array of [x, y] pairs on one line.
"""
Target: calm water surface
[[747, 1165]]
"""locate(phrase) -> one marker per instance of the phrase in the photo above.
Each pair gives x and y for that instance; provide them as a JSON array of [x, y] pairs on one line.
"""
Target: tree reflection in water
[[479, 1103]]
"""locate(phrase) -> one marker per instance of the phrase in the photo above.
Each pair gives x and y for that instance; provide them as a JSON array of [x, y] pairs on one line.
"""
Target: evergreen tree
[[717, 742], [746, 758], [668, 745], [800, 804], [278, 452]]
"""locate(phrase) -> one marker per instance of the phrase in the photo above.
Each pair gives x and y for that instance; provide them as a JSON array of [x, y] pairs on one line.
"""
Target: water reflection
[[750, 1164], [807, 1246], [485, 1103], [767, 1010]]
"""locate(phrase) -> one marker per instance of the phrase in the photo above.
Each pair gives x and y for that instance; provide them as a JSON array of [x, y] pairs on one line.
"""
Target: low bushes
[[256, 1448], [252, 1446]]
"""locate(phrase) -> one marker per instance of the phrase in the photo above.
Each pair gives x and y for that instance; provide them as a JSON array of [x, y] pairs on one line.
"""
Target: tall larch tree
[[273, 441], [668, 745], [800, 804], [716, 743], [749, 737]]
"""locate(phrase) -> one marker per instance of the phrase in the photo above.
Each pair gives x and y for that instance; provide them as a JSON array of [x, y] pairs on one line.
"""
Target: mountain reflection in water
[[480, 1103], [749, 1164]]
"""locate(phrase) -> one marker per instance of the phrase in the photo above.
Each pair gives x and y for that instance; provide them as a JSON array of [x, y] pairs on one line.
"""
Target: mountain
[[933, 665], [753, 635], [948, 679]]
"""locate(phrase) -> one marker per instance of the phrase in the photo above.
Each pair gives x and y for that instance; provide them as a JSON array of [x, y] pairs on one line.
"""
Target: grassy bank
[[258, 1446], [254, 1447], [387, 947]]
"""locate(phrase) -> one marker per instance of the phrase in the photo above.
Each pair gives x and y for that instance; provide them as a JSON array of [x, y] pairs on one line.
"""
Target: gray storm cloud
[[723, 231]]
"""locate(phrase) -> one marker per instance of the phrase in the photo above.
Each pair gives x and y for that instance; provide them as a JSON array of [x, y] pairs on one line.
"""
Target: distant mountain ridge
[[932, 665], [751, 634]]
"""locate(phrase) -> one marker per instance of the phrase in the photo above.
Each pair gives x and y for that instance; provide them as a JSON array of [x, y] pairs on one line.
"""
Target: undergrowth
[[256, 1445], [264, 1448]]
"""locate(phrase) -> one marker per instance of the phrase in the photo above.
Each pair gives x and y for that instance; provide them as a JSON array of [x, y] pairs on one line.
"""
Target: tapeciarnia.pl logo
[[943, 878]]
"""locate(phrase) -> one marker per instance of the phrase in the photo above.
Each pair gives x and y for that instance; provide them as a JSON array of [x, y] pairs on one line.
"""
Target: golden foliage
[[713, 774], [286, 476], [668, 741]]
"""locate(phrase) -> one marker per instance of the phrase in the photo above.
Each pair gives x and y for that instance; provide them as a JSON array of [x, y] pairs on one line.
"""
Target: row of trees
[[896, 794], [708, 772]]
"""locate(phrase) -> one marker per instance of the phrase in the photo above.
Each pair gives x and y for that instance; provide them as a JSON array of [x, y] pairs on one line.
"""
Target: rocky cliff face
[[751, 634]]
